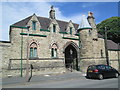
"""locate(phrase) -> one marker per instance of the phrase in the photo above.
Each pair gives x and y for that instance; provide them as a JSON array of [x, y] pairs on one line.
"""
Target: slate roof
[[100, 36], [84, 23], [23, 22], [112, 45], [45, 22]]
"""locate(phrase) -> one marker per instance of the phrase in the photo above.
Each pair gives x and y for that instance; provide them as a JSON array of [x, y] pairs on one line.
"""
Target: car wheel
[[116, 75], [100, 76], [88, 76]]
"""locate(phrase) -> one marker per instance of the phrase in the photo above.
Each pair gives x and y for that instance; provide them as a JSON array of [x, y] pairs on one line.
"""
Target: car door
[[104, 71], [109, 71], [113, 71]]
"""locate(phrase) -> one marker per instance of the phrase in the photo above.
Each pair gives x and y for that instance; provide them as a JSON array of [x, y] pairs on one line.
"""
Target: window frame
[[33, 50], [54, 28], [33, 25], [71, 31], [54, 50]]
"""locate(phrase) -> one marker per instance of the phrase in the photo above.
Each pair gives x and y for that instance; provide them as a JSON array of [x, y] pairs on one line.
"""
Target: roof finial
[[52, 13], [52, 7], [90, 13]]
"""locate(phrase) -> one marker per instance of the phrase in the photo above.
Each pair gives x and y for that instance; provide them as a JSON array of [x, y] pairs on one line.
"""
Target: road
[[81, 82]]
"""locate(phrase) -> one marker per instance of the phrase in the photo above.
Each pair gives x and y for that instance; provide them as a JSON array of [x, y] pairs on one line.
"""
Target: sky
[[13, 12]]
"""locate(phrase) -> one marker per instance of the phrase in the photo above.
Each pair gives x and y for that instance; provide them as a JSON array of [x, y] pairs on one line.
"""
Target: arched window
[[54, 51], [33, 50]]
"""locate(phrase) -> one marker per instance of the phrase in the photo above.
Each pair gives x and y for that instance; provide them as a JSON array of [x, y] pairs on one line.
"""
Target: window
[[33, 50], [108, 67], [33, 25], [101, 67], [90, 32], [101, 53], [71, 30], [54, 28], [54, 51]]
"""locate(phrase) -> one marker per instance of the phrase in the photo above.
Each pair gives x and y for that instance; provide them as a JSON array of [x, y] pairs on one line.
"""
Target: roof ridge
[[44, 21], [57, 20], [43, 17], [67, 22]]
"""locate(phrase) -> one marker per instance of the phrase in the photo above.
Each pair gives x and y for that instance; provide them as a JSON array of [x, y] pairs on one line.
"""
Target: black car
[[101, 72]]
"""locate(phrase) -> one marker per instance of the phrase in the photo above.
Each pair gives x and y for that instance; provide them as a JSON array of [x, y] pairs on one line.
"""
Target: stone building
[[53, 45]]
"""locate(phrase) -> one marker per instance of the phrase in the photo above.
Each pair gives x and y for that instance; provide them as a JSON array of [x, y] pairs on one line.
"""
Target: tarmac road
[[69, 80], [76, 83]]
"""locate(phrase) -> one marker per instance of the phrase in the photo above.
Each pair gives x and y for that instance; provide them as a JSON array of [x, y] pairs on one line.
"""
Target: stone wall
[[113, 57], [39, 66], [0, 62], [84, 63], [17, 49], [4, 49]]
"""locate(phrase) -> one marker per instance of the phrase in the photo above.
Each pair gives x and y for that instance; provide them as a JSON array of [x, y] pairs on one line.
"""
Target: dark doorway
[[71, 60]]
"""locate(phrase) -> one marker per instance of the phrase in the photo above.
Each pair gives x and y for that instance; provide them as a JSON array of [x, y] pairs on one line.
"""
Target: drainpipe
[[21, 73], [27, 61]]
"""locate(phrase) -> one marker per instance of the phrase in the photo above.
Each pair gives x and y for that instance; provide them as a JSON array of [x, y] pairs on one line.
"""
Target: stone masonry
[[88, 48]]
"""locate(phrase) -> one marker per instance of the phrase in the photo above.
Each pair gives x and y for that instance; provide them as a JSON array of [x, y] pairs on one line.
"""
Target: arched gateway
[[71, 55]]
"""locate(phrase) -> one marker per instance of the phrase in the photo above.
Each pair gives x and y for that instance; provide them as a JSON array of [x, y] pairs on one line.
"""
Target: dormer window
[[71, 30], [54, 28], [33, 25]]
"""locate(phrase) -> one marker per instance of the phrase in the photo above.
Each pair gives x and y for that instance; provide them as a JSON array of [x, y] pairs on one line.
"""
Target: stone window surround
[[34, 25], [71, 32], [54, 49], [54, 28], [33, 46]]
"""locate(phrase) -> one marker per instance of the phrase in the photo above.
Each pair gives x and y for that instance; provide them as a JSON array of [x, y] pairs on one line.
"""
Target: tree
[[113, 28]]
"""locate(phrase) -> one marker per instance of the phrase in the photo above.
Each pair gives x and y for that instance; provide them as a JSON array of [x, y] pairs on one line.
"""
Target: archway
[[71, 57]]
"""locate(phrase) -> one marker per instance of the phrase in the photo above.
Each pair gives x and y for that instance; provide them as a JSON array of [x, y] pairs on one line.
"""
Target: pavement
[[44, 78]]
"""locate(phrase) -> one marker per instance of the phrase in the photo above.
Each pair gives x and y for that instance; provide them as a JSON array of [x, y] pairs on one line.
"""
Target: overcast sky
[[15, 11]]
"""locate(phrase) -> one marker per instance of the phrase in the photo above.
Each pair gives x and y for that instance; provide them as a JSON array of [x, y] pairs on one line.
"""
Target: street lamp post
[[27, 61], [21, 70], [71, 52], [106, 47], [119, 56]]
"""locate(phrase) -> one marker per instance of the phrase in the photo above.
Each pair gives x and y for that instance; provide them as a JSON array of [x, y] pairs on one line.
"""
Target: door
[[71, 60]]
